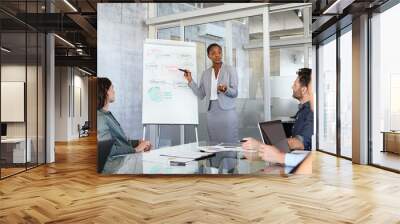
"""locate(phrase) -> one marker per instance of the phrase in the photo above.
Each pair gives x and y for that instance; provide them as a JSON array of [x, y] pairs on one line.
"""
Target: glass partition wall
[[22, 88], [248, 62], [327, 96], [243, 42], [334, 80], [385, 89]]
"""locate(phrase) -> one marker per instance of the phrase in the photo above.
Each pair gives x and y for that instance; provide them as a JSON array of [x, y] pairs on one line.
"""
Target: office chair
[[84, 130]]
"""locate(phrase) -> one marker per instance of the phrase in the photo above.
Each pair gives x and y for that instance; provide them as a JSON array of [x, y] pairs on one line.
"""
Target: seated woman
[[108, 127]]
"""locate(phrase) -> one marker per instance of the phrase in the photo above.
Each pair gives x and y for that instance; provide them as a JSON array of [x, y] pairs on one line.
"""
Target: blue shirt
[[303, 127]]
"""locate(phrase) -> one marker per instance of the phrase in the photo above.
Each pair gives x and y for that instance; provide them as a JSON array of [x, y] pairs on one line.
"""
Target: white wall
[[16, 73], [80, 83], [61, 103], [33, 126], [287, 62], [121, 31], [67, 116]]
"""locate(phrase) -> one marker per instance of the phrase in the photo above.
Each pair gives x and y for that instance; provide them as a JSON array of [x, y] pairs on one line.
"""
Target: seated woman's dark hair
[[103, 85]]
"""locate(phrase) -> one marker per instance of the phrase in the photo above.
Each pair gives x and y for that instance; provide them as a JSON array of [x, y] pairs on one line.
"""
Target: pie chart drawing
[[154, 94]]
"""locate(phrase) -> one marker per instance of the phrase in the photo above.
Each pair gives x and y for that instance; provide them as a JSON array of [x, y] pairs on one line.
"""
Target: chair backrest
[[287, 126], [103, 150], [86, 125]]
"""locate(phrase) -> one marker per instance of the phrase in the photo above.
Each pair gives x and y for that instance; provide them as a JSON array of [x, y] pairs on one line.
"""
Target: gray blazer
[[109, 128], [228, 77]]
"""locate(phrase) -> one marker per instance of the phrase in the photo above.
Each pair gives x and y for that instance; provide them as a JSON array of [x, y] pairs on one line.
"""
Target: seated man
[[303, 127], [302, 130]]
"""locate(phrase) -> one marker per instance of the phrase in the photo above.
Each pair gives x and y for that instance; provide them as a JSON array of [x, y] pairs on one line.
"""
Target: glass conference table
[[225, 162]]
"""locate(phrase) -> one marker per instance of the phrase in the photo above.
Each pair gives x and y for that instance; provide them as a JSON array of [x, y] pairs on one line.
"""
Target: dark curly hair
[[103, 85], [211, 46]]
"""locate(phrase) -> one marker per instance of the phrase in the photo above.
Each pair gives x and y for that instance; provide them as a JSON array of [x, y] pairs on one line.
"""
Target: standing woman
[[219, 85]]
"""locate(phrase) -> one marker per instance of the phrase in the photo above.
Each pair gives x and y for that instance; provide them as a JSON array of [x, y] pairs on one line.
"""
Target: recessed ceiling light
[[70, 5], [84, 71], [5, 50], [338, 6], [64, 40]]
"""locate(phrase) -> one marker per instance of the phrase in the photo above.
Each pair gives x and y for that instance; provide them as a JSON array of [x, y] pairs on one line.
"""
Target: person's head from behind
[[214, 53], [105, 92], [301, 84]]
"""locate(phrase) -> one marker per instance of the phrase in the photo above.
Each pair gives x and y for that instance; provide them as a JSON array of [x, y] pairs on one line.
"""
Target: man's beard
[[296, 96]]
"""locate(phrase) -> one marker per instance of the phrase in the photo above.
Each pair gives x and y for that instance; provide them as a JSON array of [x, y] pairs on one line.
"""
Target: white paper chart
[[167, 98]]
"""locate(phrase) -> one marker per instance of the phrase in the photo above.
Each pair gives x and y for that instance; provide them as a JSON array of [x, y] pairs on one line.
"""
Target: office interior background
[[351, 48], [47, 83], [290, 49]]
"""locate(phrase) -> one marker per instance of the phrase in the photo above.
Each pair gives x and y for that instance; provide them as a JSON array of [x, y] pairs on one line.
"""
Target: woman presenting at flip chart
[[219, 85]]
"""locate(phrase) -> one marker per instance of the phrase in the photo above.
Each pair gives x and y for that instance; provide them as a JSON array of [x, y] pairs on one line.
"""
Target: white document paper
[[217, 148], [185, 154]]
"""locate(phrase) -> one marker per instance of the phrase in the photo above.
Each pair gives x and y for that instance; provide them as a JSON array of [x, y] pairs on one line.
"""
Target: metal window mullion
[[317, 109], [73, 92], [338, 95], [307, 19], [69, 91], [182, 126], [223, 17], [0, 88], [228, 42], [45, 94], [166, 25], [204, 13], [266, 54], [37, 92], [289, 7], [289, 43], [230, 11], [26, 87], [369, 87]]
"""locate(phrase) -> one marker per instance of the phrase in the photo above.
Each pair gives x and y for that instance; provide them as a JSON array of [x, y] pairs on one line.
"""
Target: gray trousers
[[222, 125]]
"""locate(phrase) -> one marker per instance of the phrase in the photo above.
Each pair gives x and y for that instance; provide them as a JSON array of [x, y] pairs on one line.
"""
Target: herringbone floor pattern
[[70, 191]]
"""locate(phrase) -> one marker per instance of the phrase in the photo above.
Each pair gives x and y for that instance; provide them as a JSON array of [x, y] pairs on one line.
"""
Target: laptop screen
[[272, 133]]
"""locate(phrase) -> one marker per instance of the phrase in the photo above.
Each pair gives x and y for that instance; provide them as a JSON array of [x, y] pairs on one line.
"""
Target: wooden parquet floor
[[70, 191]]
